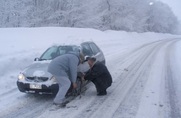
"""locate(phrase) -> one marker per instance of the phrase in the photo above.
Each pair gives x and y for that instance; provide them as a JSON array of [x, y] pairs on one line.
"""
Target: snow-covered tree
[[161, 18], [128, 15]]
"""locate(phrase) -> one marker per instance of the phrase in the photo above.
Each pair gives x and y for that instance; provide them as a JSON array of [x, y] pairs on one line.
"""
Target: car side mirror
[[36, 59]]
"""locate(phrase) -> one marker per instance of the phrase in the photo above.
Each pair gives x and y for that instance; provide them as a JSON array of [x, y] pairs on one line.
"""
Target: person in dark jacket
[[99, 75]]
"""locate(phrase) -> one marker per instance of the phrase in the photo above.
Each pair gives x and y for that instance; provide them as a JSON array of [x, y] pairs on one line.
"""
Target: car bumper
[[25, 87]]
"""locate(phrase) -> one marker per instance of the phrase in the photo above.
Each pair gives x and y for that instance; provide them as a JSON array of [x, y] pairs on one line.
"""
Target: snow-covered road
[[146, 71], [143, 87]]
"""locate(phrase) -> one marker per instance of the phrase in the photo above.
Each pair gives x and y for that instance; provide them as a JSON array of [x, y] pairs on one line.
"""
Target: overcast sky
[[175, 5]]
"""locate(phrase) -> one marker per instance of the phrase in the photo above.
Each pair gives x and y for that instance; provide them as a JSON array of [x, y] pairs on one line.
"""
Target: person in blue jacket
[[64, 69]]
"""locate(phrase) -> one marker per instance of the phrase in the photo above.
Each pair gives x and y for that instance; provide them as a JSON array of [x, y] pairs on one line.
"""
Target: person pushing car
[[64, 69]]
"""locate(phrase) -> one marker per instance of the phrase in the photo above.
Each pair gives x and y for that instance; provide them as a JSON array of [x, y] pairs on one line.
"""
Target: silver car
[[36, 79]]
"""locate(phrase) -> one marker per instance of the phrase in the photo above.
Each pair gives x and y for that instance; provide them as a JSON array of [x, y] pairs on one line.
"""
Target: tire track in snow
[[134, 76], [175, 110], [95, 103], [130, 105], [122, 83]]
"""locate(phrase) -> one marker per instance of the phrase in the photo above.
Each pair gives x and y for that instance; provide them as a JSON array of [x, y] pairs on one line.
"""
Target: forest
[[127, 15]]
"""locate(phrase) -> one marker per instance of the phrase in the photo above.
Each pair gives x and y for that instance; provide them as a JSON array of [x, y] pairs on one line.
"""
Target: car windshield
[[55, 51]]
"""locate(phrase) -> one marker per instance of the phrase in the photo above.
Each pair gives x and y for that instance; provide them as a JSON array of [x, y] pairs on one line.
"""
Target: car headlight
[[53, 79], [21, 77]]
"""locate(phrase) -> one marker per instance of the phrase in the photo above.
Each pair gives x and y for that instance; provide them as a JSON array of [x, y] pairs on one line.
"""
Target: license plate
[[35, 86]]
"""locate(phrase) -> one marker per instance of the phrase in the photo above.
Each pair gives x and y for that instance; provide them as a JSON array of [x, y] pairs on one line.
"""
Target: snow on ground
[[145, 68]]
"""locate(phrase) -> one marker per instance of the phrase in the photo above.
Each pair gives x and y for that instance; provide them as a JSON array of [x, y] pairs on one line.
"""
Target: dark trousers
[[99, 86]]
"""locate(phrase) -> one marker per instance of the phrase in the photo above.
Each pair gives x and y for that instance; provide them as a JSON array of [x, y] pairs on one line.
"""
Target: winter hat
[[91, 59]]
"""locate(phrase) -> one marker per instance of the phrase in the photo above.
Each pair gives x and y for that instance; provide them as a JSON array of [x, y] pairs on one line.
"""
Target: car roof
[[73, 44]]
